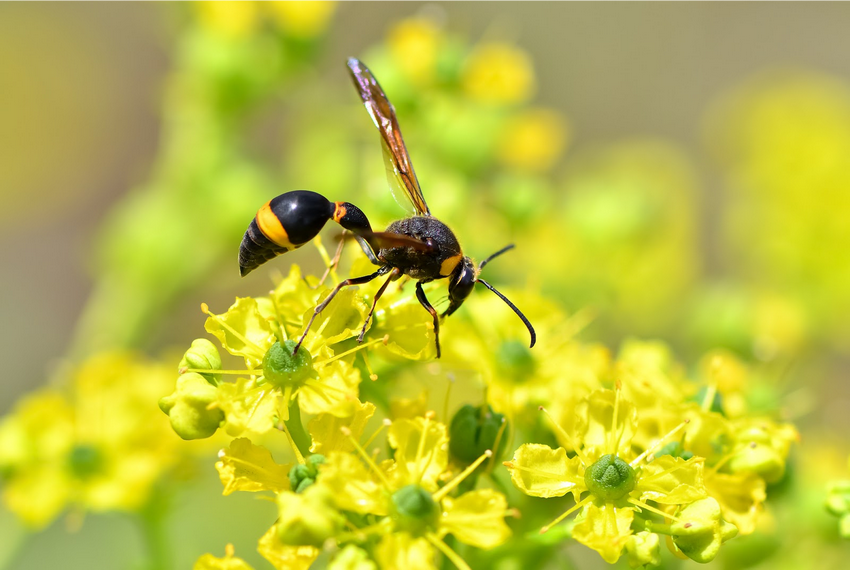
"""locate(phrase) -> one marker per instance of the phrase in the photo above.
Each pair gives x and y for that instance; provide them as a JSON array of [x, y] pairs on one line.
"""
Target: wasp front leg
[[394, 274], [423, 300]]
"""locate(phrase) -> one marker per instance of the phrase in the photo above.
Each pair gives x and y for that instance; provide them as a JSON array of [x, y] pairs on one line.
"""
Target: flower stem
[[296, 429]]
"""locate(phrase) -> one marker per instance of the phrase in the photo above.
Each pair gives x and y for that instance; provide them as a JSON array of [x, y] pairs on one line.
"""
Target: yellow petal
[[605, 529], [333, 392], [740, 496], [243, 331], [327, 433], [248, 467], [401, 551], [540, 471], [415, 463], [284, 557], [229, 562], [672, 480], [353, 487], [595, 425], [247, 408], [476, 518]]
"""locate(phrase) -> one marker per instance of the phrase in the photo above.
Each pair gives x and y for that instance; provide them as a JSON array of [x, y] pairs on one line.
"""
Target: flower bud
[[203, 355], [610, 478], [474, 430], [308, 518], [701, 530], [642, 549], [188, 407], [282, 369], [414, 510], [302, 476], [352, 558]]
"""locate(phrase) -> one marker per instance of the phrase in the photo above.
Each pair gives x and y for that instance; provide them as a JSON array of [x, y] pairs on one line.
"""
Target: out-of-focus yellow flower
[[414, 43], [229, 562], [301, 19], [99, 446], [533, 139], [229, 18], [499, 73]]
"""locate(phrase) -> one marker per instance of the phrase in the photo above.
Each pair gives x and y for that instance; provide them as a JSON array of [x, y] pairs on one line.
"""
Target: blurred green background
[[701, 196]]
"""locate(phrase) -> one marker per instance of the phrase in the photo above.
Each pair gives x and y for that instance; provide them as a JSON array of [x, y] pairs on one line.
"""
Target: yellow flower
[[415, 513], [415, 43], [498, 73], [229, 18], [617, 491], [301, 19], [97, 446], [229, 562], [533, 139]]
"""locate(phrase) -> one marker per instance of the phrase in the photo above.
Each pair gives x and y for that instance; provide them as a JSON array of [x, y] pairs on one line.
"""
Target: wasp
[[419, 246]]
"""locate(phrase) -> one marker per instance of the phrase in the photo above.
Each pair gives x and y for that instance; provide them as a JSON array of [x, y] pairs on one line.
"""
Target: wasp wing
[[400, 171], [390, 240]]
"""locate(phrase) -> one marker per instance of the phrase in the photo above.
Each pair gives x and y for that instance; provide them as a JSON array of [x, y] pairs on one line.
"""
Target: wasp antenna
[[495, 255], [511, 305]]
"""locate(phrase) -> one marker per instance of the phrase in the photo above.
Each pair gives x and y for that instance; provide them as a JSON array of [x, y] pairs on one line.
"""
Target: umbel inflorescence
[[630, 451]]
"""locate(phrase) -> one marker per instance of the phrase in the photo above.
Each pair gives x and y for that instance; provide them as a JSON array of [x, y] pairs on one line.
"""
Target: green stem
[[152, 519], [296, 429]]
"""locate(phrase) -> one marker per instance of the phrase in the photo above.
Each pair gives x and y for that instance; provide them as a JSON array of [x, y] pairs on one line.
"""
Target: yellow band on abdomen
[[271, 227]]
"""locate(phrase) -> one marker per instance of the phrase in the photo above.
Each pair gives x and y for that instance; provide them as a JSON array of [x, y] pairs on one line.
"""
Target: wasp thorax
[[282, 368]]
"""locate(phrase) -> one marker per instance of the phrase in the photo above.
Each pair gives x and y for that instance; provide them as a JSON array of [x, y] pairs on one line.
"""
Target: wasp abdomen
[[289, 221]]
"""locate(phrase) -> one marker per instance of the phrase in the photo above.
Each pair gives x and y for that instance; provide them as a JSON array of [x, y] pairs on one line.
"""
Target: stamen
[[421, 448], [584, 459], [449, 487], [372, 375], [451, 382], [206, 310], [257, 372], [658, 444], [614, 445], [448, 552], [347, 352], [369, 461], [386, 423], [643, 505], [569, 511], [280, 319]]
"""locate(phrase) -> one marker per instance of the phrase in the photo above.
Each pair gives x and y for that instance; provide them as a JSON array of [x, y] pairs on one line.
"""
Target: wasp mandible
[[420, 246]]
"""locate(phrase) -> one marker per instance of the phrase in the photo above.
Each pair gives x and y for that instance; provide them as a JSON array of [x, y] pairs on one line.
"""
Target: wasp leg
[[394, 274], [321, 306], [334, 262], [423, 300]]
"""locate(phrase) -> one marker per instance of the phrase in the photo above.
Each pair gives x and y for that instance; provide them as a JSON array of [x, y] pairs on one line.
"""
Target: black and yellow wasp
[[420, 246]]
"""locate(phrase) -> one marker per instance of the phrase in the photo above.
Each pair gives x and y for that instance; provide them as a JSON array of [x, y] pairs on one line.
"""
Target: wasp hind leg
[[321, 306], [423, 300], [394, 274]]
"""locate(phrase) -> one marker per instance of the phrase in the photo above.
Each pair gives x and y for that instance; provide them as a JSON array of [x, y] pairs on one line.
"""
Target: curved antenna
[[512, 306], [495, 255]]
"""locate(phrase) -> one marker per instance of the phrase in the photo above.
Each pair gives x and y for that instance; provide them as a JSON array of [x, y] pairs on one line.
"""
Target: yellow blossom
[[498, 73], [533, 139]]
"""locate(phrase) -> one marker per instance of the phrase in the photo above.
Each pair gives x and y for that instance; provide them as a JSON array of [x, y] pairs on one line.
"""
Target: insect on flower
[[419, 246]]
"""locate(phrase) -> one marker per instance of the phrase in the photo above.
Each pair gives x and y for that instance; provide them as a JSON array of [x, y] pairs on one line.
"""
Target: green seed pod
[[302, 476], [414, 510], [188, 407], [700, 530], [282, 369], [610, 478], [474, 430], [203, 355]]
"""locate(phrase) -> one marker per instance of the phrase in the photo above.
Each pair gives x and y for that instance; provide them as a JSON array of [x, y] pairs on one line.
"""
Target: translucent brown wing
[[390, 239], [399, 169]]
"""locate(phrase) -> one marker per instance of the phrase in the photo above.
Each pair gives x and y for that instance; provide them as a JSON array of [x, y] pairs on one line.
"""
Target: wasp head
[[461, 283]]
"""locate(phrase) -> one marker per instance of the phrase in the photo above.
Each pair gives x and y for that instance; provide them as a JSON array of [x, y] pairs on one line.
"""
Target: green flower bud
[[610, 478], [188, 407], [85, 460], [515, 360], [203, 355], [302, 476], [414, 510], [474, 430], [760, 458], [282, 369], [642, 549], [308, 518], [838, 498], [701, 530]]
